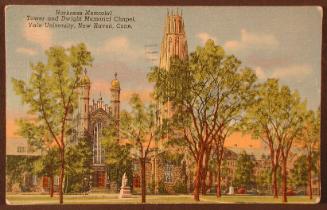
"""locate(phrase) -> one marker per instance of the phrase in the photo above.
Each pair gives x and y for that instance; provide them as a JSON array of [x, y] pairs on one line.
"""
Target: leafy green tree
[[79, 165], [244, 174], [16, 167], [260, 120], [51, 94], [207, 94], [48, 165], [276, 119], [38, 139], [139, 128], [35, 132], [263, 180], [289, 126], [309, 140], [300, 174], [118, 157]]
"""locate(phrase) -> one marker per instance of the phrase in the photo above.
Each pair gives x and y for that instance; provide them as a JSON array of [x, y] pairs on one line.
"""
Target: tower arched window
[[169, 44], [175, 28], [179, 27], [177, 47]]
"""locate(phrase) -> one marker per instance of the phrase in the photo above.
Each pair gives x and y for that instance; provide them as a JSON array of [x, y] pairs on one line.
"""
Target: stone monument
[[231, 190], [125, 191]]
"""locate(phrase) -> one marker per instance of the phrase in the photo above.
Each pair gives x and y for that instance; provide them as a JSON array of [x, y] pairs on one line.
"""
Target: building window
[[34, 181], [45, 183], [168, 173], [135, 167], [136, 181], [21, 149], [56, 180]]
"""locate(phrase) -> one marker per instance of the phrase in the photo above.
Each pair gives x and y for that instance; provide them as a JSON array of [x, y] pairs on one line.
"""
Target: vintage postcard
[[164, 105]]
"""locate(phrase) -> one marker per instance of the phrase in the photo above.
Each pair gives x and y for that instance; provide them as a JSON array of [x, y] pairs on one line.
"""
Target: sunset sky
[[280, 42]]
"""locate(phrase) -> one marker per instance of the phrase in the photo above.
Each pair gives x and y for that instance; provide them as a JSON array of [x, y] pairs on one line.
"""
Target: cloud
[[203, 36], [250, 40], [120, 46], [38, 35], [292, 71], [27, 51]]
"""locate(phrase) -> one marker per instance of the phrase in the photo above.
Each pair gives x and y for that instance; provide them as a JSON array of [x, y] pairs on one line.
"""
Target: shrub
[[180, 187], [162, 188]]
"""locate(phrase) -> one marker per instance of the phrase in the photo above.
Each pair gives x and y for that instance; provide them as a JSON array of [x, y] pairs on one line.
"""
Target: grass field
[[26, 199]]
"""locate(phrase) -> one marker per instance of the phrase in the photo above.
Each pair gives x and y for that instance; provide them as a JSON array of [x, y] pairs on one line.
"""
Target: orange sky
[[243, 141], [235, 140], [11, 128]]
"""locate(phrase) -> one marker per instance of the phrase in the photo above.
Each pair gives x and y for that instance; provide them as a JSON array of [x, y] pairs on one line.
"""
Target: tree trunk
[[51, 186], [143, 183], [309, 176], [203, 181], [274, 166], [204, 173], [61, 177], [274, 181], [284, 180], [210, 180], [218, 191], [197, 181]]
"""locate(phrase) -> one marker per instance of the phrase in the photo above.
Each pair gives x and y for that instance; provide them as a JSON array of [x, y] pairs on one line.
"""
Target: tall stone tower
[[83, 107], [174, 41], [115, 99]]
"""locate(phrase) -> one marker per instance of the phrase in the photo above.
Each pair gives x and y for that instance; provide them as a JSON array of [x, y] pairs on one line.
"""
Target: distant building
[[18, 149]]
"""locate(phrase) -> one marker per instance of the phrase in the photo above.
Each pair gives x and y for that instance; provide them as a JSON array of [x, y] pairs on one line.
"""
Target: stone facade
[[92, 118]]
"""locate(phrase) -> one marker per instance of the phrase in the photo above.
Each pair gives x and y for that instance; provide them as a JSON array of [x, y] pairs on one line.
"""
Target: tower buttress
[[84, 98], [115, 100]]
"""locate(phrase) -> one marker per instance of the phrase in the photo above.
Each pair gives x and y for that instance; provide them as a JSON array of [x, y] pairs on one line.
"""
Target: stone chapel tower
[[115, 99], [174, 43], [83, 107]]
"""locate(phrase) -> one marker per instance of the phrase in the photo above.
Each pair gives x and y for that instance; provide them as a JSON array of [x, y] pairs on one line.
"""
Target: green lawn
[[20, 199]]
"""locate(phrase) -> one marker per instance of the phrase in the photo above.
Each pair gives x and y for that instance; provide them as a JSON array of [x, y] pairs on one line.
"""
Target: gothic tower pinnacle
[[174, 42], [115, 99]]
